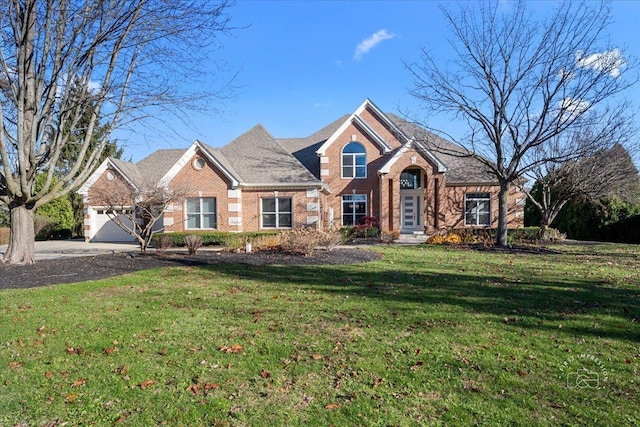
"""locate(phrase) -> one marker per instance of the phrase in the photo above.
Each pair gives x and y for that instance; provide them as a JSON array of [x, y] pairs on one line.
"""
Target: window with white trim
[[354, 161], [354, 208], [477, 209], [201, 213], [276, 212]]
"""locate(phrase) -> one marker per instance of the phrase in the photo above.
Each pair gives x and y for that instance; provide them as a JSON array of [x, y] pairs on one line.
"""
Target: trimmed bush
[[487, 236], [214, 238]]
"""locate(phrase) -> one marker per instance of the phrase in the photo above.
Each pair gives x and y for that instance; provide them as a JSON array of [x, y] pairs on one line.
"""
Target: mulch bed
[[80, 269]]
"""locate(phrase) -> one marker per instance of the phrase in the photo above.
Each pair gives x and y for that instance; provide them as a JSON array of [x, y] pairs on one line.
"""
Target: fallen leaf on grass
[[265, 374], [146, 384], [316, 356], [377, 382], [70, 398], [235, 348], [107, 351], [16, 365], [417, 366], [332, 406], [48, 374], [76, 350], [79, 382]]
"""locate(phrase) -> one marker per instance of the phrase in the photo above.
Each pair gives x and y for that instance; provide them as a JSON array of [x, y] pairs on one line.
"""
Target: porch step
[[410, 239]]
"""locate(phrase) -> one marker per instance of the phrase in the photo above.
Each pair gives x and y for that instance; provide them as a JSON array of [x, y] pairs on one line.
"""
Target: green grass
[[427, 335]]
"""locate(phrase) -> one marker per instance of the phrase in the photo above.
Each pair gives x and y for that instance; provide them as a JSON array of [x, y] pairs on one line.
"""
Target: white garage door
[[109, 231]]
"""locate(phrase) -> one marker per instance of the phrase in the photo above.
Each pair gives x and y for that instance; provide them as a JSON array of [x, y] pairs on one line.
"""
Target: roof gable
[[367, 129], [127, 170], [206, 151], [420, 148]]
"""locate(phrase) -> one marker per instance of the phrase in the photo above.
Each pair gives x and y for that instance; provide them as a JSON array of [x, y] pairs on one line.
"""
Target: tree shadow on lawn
[[529, 302]]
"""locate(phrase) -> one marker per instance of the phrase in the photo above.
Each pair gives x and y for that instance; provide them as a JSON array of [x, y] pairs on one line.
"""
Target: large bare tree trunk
[[503, 212], [21, 249]]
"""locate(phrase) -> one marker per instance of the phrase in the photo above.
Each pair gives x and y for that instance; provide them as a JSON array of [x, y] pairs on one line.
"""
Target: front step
[[410, 239]]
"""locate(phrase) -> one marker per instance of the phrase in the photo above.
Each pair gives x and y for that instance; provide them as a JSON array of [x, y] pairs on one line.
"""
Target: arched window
[[354, 161]]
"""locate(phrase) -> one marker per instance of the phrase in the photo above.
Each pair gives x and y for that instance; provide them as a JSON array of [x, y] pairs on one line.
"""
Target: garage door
[[109, 231]]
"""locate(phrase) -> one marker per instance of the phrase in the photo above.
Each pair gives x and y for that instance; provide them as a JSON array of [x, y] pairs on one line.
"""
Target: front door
[[410, 213]]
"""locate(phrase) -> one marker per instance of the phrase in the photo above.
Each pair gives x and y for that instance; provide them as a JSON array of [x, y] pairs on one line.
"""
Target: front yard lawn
[[427, 335]]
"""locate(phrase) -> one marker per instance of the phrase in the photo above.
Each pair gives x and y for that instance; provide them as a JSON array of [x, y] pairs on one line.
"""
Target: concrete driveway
[[52, 249]]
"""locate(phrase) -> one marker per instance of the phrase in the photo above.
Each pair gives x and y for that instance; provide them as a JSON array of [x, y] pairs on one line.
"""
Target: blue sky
[[302, 64]]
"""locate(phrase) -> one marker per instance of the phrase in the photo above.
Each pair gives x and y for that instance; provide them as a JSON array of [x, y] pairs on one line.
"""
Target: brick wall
[[206, 182], [454, 197]]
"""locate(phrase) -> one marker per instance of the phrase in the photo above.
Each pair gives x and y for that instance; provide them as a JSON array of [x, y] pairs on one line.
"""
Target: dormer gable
[[128, 171], [357, 120], [205, 151], [420, 148]]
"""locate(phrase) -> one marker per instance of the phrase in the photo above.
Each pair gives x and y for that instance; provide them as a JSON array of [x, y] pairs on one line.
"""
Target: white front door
[[411, 212]]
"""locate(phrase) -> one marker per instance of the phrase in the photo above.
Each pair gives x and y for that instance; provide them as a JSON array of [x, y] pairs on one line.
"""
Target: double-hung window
[[354, 161], [477, 209], [276, 212], [201, 213], [354, 208]]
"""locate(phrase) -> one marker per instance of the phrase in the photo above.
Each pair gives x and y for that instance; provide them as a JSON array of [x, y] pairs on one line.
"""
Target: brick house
[[368, 163]]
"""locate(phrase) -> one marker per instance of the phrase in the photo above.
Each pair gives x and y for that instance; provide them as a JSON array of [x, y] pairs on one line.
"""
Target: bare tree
[[137, 209], [608, 172], [522, 84], [130, 59]]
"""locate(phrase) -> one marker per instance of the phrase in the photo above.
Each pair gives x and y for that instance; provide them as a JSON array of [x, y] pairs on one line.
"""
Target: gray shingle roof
[[304, 149], [259, 159], [217, 154], [156, 165], [129, 169], [460, 169]]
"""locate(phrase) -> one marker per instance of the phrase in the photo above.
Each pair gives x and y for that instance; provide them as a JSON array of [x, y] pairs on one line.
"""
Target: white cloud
[[610, 61], [572, 108], [369, 43]]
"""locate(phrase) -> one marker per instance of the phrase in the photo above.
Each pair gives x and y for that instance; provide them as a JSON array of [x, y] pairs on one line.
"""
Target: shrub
[[214, 238], [4, 235], [389, 237], [235, 242], [193, 243], [163, 242], [487, 236], [330, 238], [267, 242], [42, 226], [300, 242], [367, 227], [449, 238], [551, 235]]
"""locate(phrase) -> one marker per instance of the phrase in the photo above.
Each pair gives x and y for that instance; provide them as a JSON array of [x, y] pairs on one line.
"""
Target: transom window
[[477, 209], [201, 213], [410, 179], [354, 208], [276, 212], [354, 161]]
